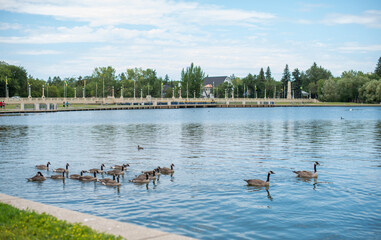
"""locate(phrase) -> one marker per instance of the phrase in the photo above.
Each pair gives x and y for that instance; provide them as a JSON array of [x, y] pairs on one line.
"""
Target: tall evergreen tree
[[268, 74], [285, 78], [378, 68], [297, 83], [261, 84]]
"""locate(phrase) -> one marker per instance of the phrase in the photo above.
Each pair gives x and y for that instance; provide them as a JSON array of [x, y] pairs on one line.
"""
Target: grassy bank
[[20, 224]]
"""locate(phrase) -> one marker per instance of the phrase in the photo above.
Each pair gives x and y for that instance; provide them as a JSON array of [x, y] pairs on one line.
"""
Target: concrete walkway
[[126, 230]]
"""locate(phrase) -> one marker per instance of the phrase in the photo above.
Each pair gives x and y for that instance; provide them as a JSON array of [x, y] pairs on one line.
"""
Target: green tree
[[191, 79], [261, 84], [248, 85], [370, 92], [17, 80], [106, 78], [297, 83], [285, 79], [378, 68], [313, 75], [329, 91]]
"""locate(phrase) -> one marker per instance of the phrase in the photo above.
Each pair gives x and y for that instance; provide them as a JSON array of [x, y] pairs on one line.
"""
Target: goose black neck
[[315, 167], [67, 167], [95, 174], [102, 167], [268, 177], [171, 167]]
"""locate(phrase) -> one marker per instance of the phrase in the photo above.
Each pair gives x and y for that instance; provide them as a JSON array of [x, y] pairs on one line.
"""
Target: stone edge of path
[[126, 230]]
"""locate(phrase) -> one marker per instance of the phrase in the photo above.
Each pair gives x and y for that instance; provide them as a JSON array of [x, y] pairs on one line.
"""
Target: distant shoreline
[[122, 107]]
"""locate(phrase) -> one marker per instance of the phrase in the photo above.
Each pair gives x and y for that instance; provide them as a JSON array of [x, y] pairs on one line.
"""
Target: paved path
[[126, 230]]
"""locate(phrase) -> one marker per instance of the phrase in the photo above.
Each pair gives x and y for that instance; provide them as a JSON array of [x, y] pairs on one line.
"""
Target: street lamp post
[[134, 90], [75, 92], [29, 91], [214, 92], [84, 89], [6, 87]]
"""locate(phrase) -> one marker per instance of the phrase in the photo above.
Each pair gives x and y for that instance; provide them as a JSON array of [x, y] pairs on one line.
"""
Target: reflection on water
[[213, 151]]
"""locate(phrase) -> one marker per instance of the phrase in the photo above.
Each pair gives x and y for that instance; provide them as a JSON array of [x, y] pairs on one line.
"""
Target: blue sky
[[70, 38]]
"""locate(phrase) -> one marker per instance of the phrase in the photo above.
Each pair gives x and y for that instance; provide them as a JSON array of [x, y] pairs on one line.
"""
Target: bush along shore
[[21, 224]]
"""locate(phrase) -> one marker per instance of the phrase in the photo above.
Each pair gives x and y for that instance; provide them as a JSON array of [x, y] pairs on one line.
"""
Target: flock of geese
[[145, 177], [116, 172]]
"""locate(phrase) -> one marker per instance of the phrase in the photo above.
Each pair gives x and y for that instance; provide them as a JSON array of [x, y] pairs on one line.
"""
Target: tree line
[[315, 82]]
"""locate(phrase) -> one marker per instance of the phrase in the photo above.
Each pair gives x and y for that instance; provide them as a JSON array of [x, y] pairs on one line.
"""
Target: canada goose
[[156, 170], [38, 177], [152, 175], [60, 170], [120, 166], [140, 148], [166, 170], [58, 176], [89, 178], [139, 179], [106, 179], [260, 183], [116, 171], [43, 167], [96, 170], [76, 176], [112, 183], [307, 174]]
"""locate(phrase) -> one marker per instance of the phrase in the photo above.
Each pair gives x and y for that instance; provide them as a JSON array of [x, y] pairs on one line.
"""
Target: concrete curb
[[126, 230]]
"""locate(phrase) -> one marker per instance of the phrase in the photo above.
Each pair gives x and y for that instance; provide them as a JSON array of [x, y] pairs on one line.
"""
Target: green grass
[[20, 224]]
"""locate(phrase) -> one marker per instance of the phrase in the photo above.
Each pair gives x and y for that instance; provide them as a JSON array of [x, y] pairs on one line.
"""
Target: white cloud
[[371, 19], [163, 13], [308, 7], [39, 52], [355, 47], [9, 26]]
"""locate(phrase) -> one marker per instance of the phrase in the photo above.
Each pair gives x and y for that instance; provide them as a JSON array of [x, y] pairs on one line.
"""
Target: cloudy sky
[[70, 38]]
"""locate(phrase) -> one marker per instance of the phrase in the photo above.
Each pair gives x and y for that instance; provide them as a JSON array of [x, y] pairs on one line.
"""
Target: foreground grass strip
[[20, 224]]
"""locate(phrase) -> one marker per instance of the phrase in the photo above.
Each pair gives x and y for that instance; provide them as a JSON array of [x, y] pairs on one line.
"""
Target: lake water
[[214, 150]]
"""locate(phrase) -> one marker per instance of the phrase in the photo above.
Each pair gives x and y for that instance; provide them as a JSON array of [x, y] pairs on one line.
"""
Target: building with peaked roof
[[213, 82]]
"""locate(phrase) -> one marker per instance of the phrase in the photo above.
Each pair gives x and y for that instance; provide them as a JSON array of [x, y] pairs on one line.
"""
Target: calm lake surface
[[213, 151]]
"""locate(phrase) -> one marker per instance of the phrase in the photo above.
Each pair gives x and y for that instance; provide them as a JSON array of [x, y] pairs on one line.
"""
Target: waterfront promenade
[[125, 230], [30, 105]]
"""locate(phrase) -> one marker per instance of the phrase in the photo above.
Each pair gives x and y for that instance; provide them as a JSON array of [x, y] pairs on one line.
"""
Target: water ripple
[[213, 151]]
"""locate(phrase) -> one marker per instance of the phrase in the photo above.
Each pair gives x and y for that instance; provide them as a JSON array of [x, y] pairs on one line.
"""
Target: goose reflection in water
[[309, 180], [257, 189]]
